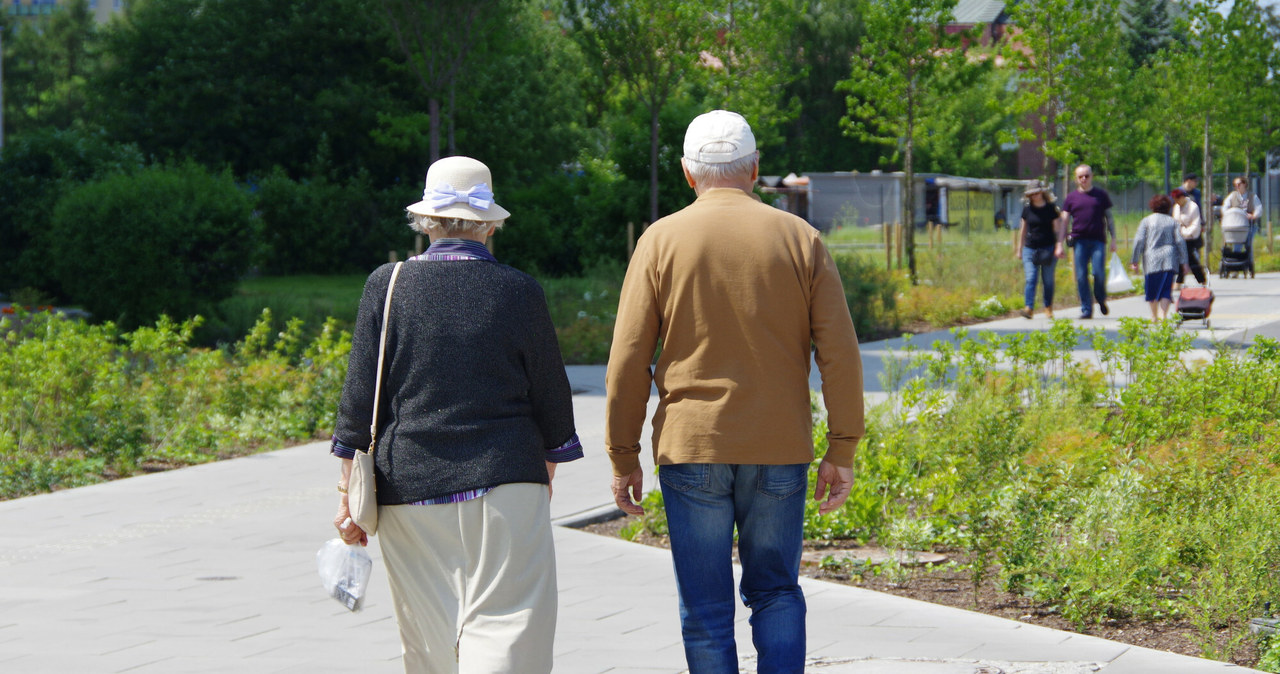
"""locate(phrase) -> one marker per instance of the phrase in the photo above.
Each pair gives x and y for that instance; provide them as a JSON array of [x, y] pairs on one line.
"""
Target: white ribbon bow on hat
[[479, 196]]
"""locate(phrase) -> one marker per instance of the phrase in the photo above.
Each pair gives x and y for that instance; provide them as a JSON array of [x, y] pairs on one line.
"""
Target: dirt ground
[[953, 587]]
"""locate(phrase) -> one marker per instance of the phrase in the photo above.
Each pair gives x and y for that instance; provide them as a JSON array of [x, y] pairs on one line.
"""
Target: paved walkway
[[210, 569]]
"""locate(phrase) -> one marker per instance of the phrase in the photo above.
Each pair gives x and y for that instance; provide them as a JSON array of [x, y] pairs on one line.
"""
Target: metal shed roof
[[978, 11]]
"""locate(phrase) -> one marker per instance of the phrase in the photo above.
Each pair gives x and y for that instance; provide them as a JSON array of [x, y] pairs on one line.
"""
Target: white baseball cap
[[718, 127]]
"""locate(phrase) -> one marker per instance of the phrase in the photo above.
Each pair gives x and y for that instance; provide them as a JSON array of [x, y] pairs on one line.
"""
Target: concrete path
[[211, 569]]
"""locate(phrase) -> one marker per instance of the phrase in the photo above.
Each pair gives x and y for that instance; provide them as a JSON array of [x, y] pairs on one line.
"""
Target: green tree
[[48, 63], [647, 47], [252, 84], [442, 40], [1147, 29], [1047, 45], [824, 43], [961, 134], [906, 57], [754, 63]]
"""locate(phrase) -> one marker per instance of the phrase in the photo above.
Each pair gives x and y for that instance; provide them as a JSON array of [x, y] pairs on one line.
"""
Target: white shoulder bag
[[362, 489]]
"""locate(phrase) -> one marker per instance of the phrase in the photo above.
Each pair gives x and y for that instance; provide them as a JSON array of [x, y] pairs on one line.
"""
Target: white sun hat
[[459, 187], [718, 127]]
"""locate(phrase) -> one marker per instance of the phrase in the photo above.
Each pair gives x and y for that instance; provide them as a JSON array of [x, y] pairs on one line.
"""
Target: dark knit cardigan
[[474, 390]]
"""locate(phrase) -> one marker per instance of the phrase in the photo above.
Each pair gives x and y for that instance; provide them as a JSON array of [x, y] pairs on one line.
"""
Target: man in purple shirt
[[1089, 210]]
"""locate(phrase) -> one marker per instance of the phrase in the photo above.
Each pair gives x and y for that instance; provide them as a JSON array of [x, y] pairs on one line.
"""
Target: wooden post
[[417, 244], [888, 244], [393, 256], [631, 239], [901, 236]]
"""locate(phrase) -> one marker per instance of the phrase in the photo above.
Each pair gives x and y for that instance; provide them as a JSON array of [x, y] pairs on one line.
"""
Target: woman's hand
[[1017, 253], [551, 476], [1058, 250], [348, 530], [1134, 267]]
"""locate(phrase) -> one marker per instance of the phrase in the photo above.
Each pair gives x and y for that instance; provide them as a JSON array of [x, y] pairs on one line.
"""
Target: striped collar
[[455, 249]]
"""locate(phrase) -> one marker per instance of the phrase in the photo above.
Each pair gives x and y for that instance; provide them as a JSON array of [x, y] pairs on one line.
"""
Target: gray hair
[[424, 224], [710, 174]]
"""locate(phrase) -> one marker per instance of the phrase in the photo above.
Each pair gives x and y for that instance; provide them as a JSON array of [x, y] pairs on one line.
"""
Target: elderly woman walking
[[1160, 247], [474, 415], [1039, 244]]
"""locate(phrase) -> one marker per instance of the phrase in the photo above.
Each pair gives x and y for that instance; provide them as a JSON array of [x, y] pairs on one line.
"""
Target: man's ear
[[688, 176]]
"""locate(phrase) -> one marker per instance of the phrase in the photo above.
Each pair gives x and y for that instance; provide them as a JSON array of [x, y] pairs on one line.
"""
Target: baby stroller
[[1237, 243]]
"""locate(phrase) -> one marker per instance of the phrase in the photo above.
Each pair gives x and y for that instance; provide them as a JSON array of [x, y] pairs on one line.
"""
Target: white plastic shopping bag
[[1118, 280], [344, 572]]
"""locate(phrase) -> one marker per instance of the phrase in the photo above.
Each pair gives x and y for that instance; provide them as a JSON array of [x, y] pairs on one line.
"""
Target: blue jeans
[[704, 501], [1033, 272], [1089, 252]]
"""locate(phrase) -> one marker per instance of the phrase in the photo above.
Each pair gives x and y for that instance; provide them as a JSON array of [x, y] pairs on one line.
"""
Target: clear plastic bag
[[344, 572]]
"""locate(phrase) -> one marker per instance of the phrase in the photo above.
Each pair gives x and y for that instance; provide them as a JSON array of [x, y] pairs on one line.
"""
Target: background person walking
[[1190, 226], [1039, 244], [1089, 208], [1159, 246]]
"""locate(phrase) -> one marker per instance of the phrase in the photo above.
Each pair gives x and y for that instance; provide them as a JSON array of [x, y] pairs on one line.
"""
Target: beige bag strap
[[382, 351]]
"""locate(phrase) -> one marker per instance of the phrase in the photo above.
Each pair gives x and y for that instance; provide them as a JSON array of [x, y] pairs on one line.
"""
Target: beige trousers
[[474, 583]]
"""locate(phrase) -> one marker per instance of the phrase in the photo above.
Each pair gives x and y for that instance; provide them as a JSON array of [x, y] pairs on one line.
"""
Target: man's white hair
[[728, 172], [452, 227]]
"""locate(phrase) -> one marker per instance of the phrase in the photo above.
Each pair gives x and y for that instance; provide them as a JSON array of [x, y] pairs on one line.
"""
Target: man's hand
[[834, 483], [1114, 247], [628, 491]]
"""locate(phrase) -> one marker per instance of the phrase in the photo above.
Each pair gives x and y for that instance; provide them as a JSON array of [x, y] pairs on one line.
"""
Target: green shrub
[[319, 226], [131, 247], [871, 292], [81, 402], [37, 169]]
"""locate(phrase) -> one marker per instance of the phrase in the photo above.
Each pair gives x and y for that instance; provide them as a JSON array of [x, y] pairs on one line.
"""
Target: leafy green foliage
[[38, 169], [1155, 500], [251, 84], [131, 247], [80, 402]]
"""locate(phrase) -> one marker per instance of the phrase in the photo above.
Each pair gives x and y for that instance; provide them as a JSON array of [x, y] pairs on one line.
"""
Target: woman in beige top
[[1187, 213]]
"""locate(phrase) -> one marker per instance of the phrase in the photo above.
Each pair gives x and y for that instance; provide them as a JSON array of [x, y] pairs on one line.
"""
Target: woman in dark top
[[1039, 244], [475, 414]]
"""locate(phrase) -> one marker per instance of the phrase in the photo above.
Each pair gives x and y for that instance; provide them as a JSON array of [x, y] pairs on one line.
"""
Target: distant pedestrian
[[1245, 200], [740, 295], [476, 414], [1189, 185], [1039, 244], [1191, 226], [1160, 248], [1089, 210]]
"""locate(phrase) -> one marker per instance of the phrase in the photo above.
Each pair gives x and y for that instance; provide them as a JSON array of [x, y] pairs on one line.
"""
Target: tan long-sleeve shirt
[[738, 292]]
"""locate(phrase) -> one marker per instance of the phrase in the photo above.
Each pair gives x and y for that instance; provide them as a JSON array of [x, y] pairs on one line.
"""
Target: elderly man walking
[[738, 293]]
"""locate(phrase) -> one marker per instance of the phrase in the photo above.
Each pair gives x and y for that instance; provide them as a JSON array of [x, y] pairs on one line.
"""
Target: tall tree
[[441, 39], [906, 56], [961, 134], [755, 63], [648, 46], [48, 61], [824, 42], [251, 84], [1147, 29]]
